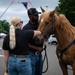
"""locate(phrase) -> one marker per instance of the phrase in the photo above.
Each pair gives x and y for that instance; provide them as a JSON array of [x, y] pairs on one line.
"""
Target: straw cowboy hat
[[15, 20]]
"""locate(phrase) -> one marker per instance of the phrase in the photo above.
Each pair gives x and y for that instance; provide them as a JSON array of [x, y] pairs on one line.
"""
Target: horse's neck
[[65, 34]]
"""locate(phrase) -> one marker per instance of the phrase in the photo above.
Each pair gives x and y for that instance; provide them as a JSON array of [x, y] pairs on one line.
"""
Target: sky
[[18, 9]]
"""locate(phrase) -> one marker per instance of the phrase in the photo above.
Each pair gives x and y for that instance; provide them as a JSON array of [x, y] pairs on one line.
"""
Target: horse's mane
[[64, 19], [66, 26]]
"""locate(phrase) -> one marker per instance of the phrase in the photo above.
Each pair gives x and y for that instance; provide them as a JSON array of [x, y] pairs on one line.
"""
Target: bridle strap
[[52, 26], [60, 54]]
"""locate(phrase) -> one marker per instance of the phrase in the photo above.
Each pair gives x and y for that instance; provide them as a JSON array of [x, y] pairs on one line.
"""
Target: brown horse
[[51, 21]]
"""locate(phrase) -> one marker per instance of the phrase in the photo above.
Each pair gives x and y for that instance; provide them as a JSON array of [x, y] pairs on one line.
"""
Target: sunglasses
[[36, 15], [21, 22]]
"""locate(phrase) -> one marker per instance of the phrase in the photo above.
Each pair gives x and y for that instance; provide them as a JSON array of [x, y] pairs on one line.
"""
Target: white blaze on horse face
[[42, 20]]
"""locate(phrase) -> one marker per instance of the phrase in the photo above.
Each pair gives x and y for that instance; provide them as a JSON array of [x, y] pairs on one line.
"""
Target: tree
[[4, 26], [67, 7]]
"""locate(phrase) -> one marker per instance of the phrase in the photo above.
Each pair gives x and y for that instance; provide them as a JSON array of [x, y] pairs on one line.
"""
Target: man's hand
[[39, 50]]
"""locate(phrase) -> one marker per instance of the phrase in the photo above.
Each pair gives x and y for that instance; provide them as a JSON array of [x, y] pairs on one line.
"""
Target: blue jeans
[[37, 63], [17, 67]]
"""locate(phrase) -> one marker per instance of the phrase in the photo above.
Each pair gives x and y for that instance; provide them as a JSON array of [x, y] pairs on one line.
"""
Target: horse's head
[[47, 22]]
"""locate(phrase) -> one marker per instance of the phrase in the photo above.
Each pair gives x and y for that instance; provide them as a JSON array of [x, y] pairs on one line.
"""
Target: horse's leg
[[64, 68]]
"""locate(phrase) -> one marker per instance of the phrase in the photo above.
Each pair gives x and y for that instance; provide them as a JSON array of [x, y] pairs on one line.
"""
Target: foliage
[[67, 7], [4, 26]]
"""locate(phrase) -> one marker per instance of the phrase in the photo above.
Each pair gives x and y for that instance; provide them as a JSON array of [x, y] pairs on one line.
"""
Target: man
[[33, 46]]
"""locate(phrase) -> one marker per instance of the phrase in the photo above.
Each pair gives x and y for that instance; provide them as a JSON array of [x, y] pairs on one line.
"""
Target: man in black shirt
[[15, 44], [34, 47]]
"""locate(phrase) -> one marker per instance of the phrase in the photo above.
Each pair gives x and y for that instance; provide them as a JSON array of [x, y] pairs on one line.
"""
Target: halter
[[51, 27]]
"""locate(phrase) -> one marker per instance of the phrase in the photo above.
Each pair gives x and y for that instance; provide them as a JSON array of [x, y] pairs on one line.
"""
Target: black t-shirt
[[22, 40], [30, 26]]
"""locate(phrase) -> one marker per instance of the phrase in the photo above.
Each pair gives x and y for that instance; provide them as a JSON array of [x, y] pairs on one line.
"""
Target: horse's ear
[[42, 9], [52, 13]]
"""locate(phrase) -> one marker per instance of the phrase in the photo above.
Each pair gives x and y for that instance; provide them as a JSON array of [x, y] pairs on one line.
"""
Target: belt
[[19, 56]]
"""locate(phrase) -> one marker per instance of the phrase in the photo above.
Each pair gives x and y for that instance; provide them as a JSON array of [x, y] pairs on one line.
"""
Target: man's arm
[[38, 49]]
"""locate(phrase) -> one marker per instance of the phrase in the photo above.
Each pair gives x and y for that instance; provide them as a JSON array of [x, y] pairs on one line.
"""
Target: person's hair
[[12, 37], [14, 21]]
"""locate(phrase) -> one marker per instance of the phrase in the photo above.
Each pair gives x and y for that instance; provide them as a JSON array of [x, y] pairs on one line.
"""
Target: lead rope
[[45, 57]]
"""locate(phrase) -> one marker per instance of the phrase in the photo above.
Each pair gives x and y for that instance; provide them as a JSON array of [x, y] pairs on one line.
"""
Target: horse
[[52, 21]]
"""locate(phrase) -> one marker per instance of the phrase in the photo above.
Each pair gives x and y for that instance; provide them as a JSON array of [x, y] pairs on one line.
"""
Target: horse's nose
[[37, 40]]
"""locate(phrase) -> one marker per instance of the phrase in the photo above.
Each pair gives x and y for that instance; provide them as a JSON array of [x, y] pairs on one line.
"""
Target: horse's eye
[[46, 23]]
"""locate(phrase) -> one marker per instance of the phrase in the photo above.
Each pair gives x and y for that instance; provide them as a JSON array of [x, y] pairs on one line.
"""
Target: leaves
[[67, 7], [4, 26]]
